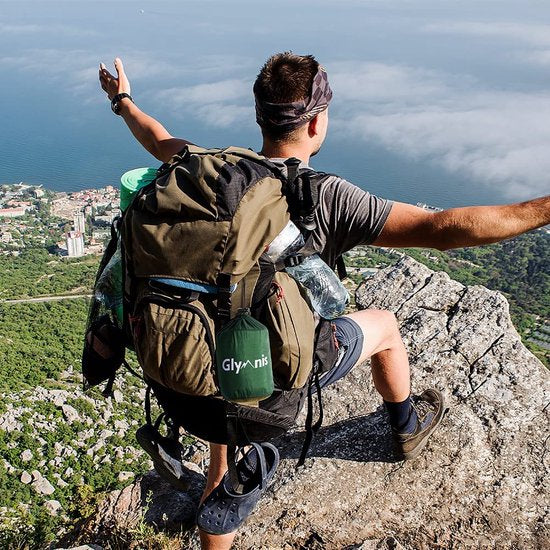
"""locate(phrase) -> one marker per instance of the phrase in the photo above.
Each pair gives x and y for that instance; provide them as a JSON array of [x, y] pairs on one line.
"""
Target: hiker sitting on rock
[[292, 96]]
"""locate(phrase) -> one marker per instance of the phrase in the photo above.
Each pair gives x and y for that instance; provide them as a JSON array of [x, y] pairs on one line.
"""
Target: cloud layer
[[499, 138]]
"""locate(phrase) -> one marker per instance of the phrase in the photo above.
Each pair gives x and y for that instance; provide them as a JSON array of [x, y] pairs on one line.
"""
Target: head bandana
[[288, 116]]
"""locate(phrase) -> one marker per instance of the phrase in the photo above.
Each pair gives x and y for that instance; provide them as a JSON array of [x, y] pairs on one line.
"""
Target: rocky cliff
[[480, 483]]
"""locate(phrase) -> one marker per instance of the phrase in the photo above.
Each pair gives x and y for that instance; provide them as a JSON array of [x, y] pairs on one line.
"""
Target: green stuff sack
[[243, 360]]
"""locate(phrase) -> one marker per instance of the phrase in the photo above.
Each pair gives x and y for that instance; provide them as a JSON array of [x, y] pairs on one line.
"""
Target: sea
[[418, 88]]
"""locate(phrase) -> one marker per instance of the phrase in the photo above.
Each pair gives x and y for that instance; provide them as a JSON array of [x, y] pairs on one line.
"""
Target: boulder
[[125, 476], [69, 413], [26, 455], [43, 486], [149, 499], [52, 507], [118, 396], [481, 482], [26, 478]]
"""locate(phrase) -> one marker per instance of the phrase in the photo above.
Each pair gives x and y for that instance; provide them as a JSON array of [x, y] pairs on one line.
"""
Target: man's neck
[[286, 150]]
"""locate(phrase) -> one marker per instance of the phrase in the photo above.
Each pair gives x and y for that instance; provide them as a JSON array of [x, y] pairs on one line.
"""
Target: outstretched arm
[[409, 225], [148, 131]]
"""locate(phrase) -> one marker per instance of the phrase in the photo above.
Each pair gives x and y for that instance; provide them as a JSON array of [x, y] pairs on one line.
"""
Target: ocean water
[[410, 84]]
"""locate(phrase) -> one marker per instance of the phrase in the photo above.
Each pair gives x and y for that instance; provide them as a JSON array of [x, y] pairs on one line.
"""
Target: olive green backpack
[[192, 244]]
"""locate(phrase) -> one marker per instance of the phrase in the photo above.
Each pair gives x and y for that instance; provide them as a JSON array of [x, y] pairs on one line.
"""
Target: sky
[[440, 101]]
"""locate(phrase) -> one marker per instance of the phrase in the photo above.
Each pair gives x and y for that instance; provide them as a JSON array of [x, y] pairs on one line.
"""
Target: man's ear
[[313, 126]]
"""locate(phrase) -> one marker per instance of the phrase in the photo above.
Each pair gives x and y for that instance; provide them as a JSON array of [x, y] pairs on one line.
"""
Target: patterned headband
[[288, 116]]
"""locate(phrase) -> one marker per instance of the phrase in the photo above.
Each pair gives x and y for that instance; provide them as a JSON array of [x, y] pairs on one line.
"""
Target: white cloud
[[222, 91], [77, 70], [537, 57], [55, 30], [223, 115], [499, 138], [220, 104], [382, 83], [531, 33]]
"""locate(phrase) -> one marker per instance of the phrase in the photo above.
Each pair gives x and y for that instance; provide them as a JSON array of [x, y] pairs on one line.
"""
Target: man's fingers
[[119, 66], [105, 74], [123, 82]]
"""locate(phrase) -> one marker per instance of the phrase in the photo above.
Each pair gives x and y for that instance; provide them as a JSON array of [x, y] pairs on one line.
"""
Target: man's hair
[[285, 78]]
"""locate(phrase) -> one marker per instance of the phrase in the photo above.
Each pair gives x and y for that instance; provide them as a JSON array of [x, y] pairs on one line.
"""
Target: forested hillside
[[519, 267]]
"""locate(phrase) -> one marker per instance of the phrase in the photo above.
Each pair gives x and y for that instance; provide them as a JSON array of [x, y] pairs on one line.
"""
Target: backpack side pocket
[[291, 332], [103, 351], [175, 346]]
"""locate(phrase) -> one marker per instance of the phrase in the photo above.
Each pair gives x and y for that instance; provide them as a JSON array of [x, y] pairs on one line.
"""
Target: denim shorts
[[350, 341]]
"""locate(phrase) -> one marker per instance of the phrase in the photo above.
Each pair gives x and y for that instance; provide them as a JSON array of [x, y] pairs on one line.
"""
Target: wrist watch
[[115, 102]]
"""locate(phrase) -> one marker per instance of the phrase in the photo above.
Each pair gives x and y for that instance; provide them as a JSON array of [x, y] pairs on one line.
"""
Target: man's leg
[[375, 334], [216, 471], [383, 344]]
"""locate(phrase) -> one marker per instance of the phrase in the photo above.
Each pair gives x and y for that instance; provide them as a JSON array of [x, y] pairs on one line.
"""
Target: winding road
[[46, 299]]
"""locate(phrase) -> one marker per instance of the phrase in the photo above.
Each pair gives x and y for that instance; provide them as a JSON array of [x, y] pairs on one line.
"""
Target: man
[[292, 96]]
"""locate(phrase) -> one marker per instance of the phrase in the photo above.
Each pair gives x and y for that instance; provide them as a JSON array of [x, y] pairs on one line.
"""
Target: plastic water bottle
[[325, 291], [108, 289], [286, 243]]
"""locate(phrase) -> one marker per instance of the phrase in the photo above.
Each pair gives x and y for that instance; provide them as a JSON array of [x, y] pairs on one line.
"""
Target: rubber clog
[[224, 510]]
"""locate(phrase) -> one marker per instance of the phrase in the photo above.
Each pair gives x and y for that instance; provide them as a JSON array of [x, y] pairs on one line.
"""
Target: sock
[[402, 415]]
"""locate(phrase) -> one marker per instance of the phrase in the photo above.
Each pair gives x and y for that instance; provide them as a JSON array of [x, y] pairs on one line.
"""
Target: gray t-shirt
[[347, 216]]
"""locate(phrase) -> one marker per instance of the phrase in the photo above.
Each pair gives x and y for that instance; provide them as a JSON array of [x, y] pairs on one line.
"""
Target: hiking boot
[[430, 409]]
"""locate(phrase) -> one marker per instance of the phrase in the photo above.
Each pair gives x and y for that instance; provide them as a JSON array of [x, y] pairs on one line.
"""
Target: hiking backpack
[[191, 246]]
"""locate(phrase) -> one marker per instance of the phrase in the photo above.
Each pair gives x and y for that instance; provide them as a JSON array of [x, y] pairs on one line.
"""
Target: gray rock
[[9, 422], [26, 478], [481, 482], [26, 455], [121, 425], [43, 486], [57, 396], [83, 547], [118, 397], [125, 476], [52, 507], [10, 469], [151, 499], [70, 413]]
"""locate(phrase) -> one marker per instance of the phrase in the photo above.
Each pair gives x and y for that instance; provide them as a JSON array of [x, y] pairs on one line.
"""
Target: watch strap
[[115, 102]]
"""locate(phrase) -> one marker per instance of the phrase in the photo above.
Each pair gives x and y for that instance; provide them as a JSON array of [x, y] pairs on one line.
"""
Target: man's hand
[[148, 131], [114, 85]]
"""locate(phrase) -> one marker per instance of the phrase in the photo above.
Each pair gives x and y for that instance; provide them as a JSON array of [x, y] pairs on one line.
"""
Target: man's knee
[[380, 329], [390, 321], [383, 320]]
